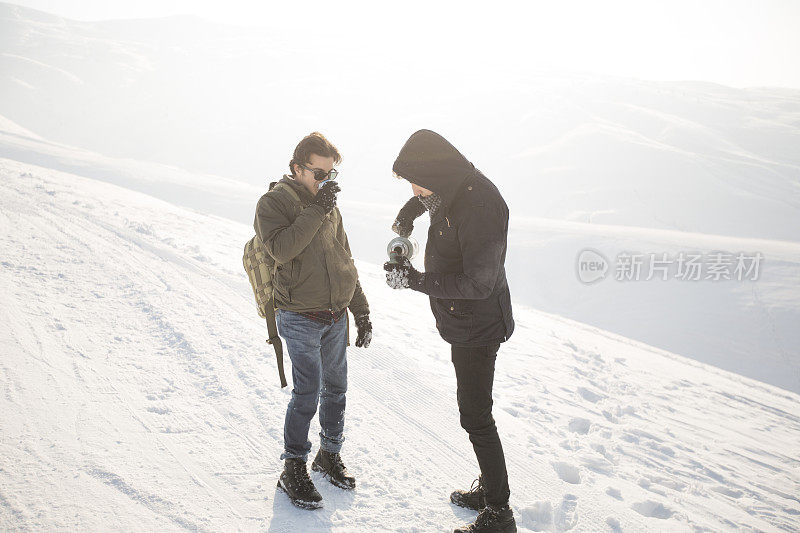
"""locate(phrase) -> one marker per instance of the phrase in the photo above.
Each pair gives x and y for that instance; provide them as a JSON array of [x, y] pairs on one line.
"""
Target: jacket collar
[[305, 197]]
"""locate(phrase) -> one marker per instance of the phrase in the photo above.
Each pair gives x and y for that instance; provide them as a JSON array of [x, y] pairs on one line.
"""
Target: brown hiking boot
[[332, 467]]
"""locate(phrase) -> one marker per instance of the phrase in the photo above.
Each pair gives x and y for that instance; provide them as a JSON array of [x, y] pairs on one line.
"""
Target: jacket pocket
[[285, 278], [446, 233], [455, 320], [504, 303], [343, 274]]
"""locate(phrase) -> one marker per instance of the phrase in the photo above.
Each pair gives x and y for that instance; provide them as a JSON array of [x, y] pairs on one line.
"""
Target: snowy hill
[[584, 160], [746, 327], [138, 393]]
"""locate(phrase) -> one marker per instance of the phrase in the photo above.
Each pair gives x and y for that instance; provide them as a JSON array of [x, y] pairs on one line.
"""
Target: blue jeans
[[318, 353]]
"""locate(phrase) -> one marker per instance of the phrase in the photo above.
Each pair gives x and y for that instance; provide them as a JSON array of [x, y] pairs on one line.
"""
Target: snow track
[[137, 393]]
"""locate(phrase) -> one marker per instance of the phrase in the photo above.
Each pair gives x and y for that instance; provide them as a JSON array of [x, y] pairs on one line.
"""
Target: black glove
[[404, 223], [364, 327], [403, 275], [326, 196]]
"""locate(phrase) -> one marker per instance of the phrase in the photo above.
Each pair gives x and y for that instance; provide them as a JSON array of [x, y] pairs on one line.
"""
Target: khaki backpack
[[260, 267]]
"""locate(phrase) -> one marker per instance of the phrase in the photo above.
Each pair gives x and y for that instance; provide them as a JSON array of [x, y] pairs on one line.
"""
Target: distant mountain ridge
[[216, 99]]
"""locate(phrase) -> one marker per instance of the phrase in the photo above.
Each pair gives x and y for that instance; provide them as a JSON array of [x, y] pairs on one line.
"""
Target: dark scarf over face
[[432, 203]]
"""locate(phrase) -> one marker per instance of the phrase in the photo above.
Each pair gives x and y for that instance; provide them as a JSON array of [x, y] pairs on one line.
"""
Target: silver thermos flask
[[400, 247]]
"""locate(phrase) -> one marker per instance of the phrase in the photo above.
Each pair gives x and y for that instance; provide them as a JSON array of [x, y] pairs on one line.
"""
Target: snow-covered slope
[[745, 327], [138, 394], [214, 195], [585, 161]]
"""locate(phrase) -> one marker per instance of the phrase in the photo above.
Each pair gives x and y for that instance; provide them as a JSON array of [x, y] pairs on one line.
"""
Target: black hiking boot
[[296, 483], [474, 498], [492, 520], [332, 467]]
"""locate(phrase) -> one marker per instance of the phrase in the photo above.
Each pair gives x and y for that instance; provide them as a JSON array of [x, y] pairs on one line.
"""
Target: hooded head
[[430, 161]]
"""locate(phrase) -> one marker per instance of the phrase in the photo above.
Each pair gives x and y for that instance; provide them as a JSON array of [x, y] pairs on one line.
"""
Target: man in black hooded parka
[[465, 279]]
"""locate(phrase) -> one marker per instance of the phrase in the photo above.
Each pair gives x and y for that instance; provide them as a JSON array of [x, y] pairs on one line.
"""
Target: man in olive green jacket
[[316, 281]]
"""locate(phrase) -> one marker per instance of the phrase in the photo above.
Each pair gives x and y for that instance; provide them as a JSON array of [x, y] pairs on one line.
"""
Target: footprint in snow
[[589, 395], [610, 417], [567, 472], [579, 425], [652, 509], [566, 515], [537, 516], [628, 410], [727, 491], [614, 524]]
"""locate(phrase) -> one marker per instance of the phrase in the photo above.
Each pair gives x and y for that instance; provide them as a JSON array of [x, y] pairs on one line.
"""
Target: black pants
[[475, 375]]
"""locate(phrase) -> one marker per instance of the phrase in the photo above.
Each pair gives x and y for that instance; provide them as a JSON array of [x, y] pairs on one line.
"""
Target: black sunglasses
[[320, 174]]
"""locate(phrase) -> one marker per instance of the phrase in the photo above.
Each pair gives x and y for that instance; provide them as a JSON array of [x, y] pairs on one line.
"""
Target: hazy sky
[[734, 42]]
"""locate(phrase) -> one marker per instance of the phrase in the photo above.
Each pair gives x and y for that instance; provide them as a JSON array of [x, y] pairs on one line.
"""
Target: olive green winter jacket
[[315, 269]]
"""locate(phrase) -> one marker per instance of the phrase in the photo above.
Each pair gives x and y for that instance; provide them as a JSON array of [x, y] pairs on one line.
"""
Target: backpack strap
[[275, 340], [286, 187], [272, 328]]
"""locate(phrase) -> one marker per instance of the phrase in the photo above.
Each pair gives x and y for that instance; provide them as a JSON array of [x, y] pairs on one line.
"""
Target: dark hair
[[313, 143]]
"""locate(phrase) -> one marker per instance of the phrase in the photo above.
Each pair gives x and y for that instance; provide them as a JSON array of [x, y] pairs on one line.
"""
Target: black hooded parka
[[465, 275]]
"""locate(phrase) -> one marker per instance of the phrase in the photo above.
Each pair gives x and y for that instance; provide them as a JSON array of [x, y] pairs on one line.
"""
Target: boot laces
[[302, 475], [337, 459], [337, 465], [488, 515], [476, 486]]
